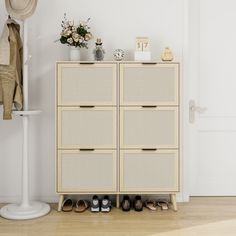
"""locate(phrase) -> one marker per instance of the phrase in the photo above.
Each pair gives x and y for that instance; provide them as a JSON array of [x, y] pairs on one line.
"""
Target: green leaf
[[81, 31], [63, 40]]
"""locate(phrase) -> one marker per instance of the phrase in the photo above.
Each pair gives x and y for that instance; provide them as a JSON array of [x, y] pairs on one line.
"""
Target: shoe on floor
[[164, 205], [81, 206], [151, 205], [126, 203], [95, 206], [138, 204], [106, 204], [67, 205]]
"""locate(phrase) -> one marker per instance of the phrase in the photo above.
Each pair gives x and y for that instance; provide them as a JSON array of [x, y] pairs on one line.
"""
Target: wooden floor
[[201, 216]]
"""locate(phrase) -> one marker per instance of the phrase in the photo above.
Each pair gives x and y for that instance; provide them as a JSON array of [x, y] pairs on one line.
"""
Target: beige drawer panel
[[86, 127], [149, 170], [149, 127], [86, 171], [149, 84], [86, 84]]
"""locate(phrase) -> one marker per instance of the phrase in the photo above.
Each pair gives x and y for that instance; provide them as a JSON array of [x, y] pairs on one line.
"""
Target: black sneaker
[[106, 204], [126, 203], [95, 206], [138, 204]]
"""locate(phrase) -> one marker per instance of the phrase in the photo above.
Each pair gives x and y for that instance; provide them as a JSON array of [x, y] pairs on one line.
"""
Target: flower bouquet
[[75, 35]]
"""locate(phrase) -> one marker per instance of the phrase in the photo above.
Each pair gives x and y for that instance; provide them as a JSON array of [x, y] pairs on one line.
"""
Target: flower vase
[[74, 53]]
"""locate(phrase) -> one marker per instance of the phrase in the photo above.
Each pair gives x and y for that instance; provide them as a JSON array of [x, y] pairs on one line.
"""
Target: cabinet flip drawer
[[147, 84], [147, 171], [149, 127], [86, 127], [86, 171], [86, 84]]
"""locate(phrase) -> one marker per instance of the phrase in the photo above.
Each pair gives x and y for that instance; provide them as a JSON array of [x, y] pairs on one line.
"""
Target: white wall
[[117, 22]]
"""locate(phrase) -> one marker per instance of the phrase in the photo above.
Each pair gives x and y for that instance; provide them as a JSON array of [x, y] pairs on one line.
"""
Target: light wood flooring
[[201, 216]]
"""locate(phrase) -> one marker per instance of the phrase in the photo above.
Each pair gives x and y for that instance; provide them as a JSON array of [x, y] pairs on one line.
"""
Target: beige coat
[[11, 68]]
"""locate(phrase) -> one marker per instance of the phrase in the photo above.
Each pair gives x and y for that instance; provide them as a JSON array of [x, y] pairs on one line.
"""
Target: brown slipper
[[81, 206], [164, 205], [67, 205], [151, 205]]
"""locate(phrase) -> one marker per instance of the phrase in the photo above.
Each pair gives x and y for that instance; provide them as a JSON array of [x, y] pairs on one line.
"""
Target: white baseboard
[[16, 199], [182, 198]]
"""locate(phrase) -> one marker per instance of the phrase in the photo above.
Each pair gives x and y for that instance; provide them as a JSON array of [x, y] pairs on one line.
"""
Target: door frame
[[190, 76]]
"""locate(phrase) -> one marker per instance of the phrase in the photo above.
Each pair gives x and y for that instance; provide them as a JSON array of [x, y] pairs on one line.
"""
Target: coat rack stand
[[26, 209]]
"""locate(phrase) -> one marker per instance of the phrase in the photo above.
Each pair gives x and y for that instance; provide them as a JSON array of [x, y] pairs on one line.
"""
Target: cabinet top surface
[[117, 62]]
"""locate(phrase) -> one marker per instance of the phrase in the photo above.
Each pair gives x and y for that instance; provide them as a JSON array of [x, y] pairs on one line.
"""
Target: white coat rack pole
[[25, 119], [26, 209]]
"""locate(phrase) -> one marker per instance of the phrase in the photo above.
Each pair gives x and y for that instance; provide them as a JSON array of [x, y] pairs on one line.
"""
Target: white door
[[212, 85]]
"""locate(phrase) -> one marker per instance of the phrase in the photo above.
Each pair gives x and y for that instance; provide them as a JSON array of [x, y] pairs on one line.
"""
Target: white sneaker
[[95, 206], [106, 204]]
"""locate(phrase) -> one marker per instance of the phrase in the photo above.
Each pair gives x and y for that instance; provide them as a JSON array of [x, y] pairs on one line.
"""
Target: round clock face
[[119, 54]]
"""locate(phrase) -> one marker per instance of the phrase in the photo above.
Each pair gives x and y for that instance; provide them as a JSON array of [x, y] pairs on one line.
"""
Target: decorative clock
[[119, 54]]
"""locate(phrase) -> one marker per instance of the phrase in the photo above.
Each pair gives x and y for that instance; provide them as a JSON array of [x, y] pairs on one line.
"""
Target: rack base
[[19, 212]]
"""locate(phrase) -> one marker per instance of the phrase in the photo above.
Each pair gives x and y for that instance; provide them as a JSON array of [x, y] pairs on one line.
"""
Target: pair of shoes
[[79, 207], [152, 205], [103, 206], [137, 204]]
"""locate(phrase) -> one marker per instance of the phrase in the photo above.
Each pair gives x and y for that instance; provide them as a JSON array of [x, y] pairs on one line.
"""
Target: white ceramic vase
[[74, 53]]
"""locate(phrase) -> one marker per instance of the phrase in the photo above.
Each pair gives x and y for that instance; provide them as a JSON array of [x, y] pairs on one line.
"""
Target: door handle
[[192, 109], [149, 149], [149, 63], [86, 106], [86, 149], [149, 106]]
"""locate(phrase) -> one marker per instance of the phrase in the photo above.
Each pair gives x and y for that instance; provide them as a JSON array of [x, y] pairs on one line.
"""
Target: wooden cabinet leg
[[117, 201], [61, 199], [173, 201]]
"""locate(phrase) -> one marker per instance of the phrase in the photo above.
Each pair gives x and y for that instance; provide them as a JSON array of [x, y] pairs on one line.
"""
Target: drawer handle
[[86, 106], [86, 149], [86, 63], [149, 106], [149, 149], [149, 63]]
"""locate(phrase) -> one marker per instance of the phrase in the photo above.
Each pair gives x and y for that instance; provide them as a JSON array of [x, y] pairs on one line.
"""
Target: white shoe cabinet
[[117, 128]]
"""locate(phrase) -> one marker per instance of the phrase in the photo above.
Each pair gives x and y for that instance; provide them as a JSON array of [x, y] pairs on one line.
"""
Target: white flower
[[75, 37], [66, 24], [70, 40], [82, 23], [88, 36], [81, 39], [73, 29], [71, 23], [66, 32]]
